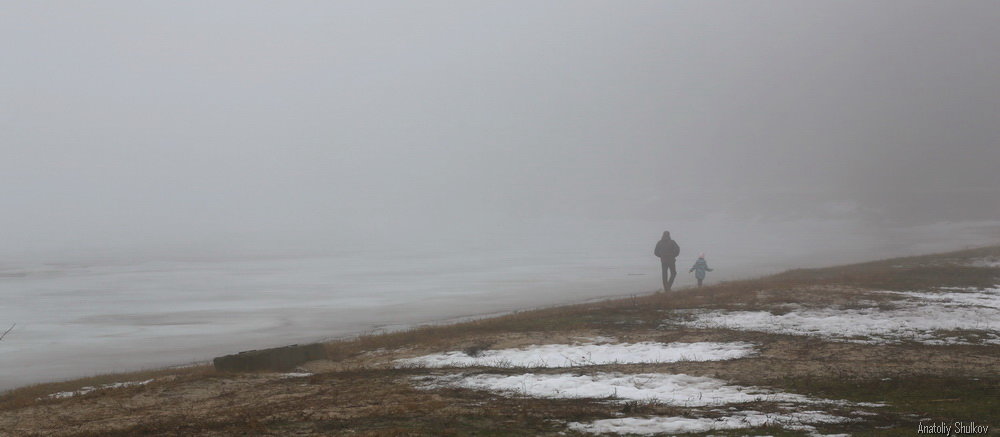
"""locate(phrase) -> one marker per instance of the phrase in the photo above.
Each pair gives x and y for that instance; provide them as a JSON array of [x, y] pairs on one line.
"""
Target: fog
[[165, 125], [833, 131]]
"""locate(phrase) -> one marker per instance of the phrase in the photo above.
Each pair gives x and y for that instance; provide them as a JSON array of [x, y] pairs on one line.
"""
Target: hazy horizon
[[150, 126]]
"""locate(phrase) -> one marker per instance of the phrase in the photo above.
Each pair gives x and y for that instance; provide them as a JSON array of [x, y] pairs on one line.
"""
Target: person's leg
[[699, 282], [672, 264], [665, 267]]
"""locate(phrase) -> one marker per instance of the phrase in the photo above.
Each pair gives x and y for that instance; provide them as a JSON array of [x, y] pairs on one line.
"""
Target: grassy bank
[[884, 382]]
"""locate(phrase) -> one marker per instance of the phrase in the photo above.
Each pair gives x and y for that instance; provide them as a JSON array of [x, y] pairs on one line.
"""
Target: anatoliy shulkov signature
[[956, 428]]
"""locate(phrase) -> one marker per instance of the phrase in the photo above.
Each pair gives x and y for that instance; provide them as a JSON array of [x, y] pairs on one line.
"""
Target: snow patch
[[985, 262], [596, 339], [563, 355], [958, 297], [921, 319], [677, 425], [680, 389], [88, 389]]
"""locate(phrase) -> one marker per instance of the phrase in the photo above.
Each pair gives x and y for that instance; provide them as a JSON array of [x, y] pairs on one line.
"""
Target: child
[[699, 268]]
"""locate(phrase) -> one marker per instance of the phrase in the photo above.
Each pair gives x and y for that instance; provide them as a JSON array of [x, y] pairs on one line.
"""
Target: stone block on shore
[[279, 359]]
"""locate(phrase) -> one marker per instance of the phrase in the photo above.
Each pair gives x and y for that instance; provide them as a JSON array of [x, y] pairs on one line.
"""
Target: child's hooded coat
[[700, 267]]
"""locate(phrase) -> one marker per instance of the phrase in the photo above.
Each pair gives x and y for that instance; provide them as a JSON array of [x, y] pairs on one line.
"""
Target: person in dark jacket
[[699, 268], [667, 250]]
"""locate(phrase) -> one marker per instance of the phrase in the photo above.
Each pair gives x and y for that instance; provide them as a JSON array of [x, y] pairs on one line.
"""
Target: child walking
[[699, 268]]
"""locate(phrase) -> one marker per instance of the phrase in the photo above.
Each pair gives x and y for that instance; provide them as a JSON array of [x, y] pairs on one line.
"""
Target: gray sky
[[139, 121]]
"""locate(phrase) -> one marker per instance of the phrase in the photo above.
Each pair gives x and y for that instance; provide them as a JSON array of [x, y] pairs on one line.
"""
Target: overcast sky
[[159, 121]]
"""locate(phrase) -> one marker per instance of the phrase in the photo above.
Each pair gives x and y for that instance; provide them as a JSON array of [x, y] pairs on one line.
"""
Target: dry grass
[[39, 393]]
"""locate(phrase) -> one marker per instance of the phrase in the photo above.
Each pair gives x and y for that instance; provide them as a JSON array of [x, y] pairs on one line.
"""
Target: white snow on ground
[[919, 319], [596, 339], [88, 389], [679, 390], [676, 425], [682, 390], [563, 355], [989, 297], [986, 262]]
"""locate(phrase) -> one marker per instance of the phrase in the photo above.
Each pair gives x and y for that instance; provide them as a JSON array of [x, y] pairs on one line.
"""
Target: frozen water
[[96, 316]]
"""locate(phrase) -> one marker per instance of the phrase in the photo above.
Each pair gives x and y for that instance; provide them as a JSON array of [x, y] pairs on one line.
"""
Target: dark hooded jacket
[[667, 248]]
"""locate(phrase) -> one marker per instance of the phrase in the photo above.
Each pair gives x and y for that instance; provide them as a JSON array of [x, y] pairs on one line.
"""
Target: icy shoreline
[[127, 317]]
